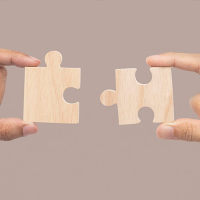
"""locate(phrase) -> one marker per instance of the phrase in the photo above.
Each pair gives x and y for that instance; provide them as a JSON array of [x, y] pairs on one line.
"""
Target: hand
[[181, 129], [13, 128]]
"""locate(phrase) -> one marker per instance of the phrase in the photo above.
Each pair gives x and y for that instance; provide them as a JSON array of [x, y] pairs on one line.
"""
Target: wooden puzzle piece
[[130, 95], [44, 88]]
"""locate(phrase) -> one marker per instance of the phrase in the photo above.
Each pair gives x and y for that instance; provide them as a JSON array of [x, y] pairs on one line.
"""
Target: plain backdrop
[[98, 159]]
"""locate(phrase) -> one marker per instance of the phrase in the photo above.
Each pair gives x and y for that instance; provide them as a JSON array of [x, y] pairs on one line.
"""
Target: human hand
[[12, 128], [181, 129]]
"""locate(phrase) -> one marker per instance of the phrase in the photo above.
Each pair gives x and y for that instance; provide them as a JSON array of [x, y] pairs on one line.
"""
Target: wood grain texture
[[130, 96], [43, 92]]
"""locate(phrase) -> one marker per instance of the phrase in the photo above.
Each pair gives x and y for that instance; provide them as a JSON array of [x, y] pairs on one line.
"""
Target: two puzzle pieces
[[44, 88]]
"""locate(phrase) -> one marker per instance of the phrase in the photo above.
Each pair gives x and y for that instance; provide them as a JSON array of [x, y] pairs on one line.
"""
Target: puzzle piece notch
[[71, 94], [130, 96], [44, 89]]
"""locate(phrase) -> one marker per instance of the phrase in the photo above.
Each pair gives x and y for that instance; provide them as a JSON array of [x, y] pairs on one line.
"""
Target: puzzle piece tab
[[130, 95], [44, 88]]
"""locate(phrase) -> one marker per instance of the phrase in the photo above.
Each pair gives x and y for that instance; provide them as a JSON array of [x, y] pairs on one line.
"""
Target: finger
[[189, 62], [9, 57], [195, 104], [181, 129], [12, 128], [3, 75]]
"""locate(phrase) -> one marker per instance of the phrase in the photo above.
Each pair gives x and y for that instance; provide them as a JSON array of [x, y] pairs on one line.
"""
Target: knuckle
[[14, 55], [5, 135], [17, 54], [10, 129], [188, 132]]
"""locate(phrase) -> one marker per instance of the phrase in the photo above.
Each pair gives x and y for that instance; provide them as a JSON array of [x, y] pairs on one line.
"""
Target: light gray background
[[98, 159]]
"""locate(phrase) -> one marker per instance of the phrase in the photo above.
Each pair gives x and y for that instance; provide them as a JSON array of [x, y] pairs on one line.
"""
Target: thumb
[[181, 129], [12, 128]]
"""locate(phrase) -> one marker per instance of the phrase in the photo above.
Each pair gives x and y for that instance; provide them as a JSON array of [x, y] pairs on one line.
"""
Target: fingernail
[[29, 128], [34, 58], [166, 132]]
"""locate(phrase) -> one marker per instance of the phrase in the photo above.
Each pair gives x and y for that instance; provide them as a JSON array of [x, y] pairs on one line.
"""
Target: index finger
[[188, 62], [9, 57]]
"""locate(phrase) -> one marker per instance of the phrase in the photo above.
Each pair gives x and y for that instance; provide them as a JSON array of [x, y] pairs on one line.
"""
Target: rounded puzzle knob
[[53, 58], [108, 97]]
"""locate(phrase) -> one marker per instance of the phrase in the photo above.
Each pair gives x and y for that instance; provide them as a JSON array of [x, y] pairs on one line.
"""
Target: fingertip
[[147, 60], [164, 131], [35, 61], [195, 104], [158, 131], [30, 62], [30, 129], [191, 102], [36, 127], [152, 60], [24, 60]]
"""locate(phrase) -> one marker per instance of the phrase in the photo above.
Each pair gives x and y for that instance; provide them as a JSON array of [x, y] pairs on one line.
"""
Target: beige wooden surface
[[130, 95], [43, 92]]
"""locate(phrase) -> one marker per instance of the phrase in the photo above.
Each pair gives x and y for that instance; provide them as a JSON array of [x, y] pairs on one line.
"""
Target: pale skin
[[181, 129]]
